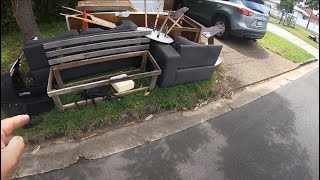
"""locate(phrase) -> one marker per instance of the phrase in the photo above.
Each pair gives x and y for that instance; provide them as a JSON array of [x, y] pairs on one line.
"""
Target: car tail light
[[244, 11]]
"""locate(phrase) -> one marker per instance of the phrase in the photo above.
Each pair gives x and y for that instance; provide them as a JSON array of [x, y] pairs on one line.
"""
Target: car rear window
[[257, 5]]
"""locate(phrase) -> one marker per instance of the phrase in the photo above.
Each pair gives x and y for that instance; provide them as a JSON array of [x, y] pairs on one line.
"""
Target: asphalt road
[[273, 137]]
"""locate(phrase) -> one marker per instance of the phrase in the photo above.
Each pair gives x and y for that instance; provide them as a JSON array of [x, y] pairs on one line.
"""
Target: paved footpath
[[294, 39]]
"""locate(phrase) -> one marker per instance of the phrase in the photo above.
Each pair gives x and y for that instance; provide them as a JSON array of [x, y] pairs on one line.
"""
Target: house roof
[[301, 10], [313, 16]]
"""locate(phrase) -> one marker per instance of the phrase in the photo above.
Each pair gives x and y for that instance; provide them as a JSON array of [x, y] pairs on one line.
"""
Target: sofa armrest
[[167, 58], [198, 55]]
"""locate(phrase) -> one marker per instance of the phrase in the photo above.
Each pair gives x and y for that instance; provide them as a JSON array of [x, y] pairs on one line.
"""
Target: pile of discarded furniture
[[112, 50]]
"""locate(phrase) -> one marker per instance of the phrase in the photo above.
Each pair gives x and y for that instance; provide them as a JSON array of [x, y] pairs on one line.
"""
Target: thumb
[[15, 148], [10, 157]]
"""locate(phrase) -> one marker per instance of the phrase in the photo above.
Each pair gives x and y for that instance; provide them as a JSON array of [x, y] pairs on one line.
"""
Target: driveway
[[294, 39], [247, 62]]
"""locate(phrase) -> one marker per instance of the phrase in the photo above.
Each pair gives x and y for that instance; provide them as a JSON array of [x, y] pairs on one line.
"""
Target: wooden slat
[[131, 91], [97, 99], [97, 53], [81, 103], [101, 83], [58, 103], [153, 61], [153, 82], [103, 8], [49, 86], [104, 3], [101, 78], [88, 39], [100, 45], [99, 59], [57, 77], [188, 29]]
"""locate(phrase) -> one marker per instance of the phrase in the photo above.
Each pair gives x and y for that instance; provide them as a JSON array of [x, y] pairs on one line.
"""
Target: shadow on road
[[159, 160], [262, 147], [246, 47]]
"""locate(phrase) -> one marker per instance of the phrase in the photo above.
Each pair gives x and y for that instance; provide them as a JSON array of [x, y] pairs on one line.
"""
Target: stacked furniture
[[38, 62], [92, 51], [184, 61]]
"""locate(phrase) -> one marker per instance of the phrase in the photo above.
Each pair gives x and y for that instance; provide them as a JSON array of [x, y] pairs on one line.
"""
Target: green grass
[[76, 121], [11, 43], [297, 31], [284, 48], [302, 34]]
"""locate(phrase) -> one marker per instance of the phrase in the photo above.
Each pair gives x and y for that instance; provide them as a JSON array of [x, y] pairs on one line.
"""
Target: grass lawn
[[297, 31], [76, 122], [11, 44], [284, 48]]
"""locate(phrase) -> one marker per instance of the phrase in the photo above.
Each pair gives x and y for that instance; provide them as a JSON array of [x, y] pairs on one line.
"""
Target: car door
[[207, 8], [195, 8]]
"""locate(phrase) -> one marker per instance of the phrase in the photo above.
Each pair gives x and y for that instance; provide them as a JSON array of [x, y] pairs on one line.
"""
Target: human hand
[[11, 147]]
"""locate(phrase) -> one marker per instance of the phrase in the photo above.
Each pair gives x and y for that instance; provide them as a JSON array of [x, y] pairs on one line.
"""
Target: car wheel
[[223, 22]]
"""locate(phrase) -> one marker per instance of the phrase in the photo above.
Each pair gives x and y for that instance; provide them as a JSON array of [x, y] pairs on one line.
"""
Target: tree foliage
[[313, 4], [287, 5]]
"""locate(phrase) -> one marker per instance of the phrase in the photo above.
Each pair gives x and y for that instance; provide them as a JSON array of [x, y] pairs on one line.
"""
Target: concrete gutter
[[57, 156]]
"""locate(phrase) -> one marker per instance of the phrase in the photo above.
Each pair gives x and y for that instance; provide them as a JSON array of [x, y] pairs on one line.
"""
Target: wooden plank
[[131, 91], [104, 3], [103, 8], [101, 83], [57, 77], [93, 38], [101, 78], [144, 62], [81, 103], [174, 21], [100, 45], [99, 59], [153, 82], [58, 103], [97, 54], [97, 99], [188, 29], [49, 86], [153, 61]]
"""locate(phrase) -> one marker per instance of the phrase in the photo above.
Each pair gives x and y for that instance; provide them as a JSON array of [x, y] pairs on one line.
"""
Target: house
[[314, 18]]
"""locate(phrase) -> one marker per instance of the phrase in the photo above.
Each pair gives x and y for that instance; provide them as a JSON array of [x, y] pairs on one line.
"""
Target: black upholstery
[[184, 61]]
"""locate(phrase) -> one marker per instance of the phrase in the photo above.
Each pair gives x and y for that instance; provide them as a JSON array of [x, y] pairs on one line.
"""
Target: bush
[[45, 11]]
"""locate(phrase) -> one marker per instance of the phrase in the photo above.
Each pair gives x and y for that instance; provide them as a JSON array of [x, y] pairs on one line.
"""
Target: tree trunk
[[23, 13], [309, 19]]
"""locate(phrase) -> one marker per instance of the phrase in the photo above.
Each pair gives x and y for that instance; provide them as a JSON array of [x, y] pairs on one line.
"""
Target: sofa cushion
[[35, 54], [91, 31], [66, 34], [194, 74], [179, 40]]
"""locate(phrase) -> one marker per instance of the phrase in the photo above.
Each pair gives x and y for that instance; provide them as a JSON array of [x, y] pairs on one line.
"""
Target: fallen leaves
[[90, 136], [36, 150], [149, 117]]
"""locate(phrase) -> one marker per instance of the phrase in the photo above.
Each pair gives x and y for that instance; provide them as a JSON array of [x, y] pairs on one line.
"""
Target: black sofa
[[184, 61], [38, 63]]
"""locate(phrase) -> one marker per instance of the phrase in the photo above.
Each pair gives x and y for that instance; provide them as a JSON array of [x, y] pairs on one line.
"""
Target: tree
[[286, 6], [22, 10], [313, 5]]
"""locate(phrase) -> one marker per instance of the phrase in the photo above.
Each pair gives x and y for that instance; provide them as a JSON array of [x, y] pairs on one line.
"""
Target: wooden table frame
[[101, 80]]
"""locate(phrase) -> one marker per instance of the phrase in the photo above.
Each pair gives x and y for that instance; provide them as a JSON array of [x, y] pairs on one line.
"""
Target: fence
[[299, 20]]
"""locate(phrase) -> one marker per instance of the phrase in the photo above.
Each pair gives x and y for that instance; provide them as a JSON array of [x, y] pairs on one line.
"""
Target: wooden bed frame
[[101, 80]]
